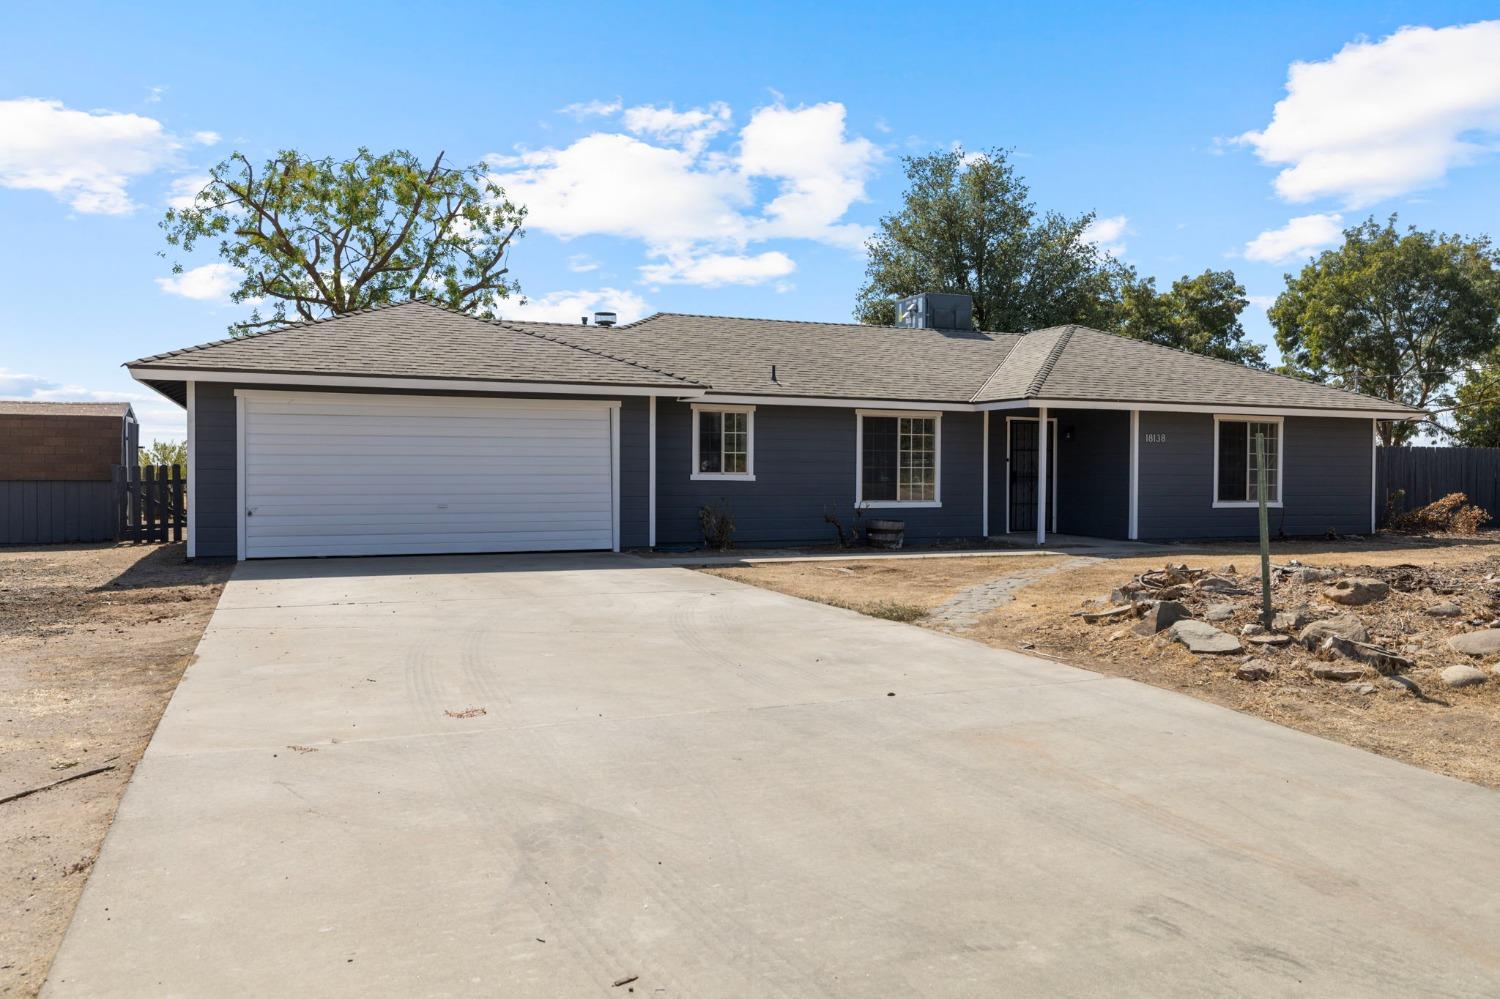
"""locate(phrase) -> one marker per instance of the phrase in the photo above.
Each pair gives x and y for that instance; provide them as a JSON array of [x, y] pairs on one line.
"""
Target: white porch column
[[651, 473], [1134, 527], [984, 489], [1041, 477]]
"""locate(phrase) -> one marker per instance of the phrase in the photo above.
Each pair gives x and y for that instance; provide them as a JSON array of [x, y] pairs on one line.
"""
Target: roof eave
[[146, 374]]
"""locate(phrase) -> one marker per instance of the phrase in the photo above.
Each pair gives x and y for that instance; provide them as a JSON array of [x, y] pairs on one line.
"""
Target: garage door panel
[[367, 475]]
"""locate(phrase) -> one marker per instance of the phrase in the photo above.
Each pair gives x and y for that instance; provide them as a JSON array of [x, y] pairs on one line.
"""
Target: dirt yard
[[1451, 731], [93, 641], [896, 589]]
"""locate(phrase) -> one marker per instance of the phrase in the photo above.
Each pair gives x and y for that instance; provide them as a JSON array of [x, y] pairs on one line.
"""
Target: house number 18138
[[1156, 438]]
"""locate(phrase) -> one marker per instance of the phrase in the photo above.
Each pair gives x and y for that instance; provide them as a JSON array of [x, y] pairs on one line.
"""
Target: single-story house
[[56, 466], [414, 429]]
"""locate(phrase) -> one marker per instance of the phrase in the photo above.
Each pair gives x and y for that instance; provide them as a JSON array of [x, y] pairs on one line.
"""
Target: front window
[[898, 459], [1238, 469], [722, 443]]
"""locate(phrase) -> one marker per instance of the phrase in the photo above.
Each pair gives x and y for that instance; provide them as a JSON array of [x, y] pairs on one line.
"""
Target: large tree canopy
[[967, 225], [1200, 314], [325, 237], [1393, 314]]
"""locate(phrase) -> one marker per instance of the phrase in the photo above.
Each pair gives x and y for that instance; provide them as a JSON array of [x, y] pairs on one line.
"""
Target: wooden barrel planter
[[885, 533]]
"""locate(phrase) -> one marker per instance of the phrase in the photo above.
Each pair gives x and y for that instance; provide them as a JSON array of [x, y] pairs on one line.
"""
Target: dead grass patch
[[894, 589]]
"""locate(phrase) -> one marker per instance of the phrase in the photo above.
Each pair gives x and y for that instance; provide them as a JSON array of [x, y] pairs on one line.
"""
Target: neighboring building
[[415, 429], [56, 461]]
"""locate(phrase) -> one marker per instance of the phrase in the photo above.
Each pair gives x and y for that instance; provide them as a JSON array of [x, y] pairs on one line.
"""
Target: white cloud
[[1261, 302], [582, 263], [208, 283], [184, 190], [662, 184], [17, 384], [714, 269], [84, 158], [570, 306], [692, 129], [1300, 238], [207, 138], [1108, 234], [592, 109], [1379, 119]]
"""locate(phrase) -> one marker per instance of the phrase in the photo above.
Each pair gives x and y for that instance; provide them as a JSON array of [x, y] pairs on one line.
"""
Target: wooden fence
[[150, 503], [1426, 474]]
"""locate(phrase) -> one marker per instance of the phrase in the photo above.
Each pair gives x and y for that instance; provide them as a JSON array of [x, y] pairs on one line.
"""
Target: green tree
[[1200, 314], [967, 226], [1476, 404], [321, 237], [1394, 314], [165, 453]]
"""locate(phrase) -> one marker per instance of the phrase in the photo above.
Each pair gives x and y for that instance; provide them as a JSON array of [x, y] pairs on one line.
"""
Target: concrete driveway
[[710, 787]]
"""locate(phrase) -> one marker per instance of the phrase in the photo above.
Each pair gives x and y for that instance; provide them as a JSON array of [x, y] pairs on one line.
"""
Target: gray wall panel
[[804, 467], [1327, 463], [55, 512]]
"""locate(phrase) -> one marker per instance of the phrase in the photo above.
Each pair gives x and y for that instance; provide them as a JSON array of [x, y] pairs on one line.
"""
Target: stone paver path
[[963, 611]]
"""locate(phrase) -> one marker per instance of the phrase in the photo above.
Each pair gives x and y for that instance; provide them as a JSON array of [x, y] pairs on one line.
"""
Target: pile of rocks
[[1321, 634]]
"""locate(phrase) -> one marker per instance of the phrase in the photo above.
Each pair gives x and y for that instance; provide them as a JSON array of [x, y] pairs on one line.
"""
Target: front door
[[1024, 453]]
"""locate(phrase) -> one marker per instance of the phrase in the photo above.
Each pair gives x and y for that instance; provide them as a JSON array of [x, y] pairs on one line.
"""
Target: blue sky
[[690, 158]]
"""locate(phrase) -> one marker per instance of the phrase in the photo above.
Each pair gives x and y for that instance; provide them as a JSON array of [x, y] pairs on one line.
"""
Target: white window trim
[[859, 460], [1053, 446], [1280, 462], [748, 475]]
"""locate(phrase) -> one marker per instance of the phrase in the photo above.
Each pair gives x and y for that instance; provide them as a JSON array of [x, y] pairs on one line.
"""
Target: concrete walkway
[[709, 787]]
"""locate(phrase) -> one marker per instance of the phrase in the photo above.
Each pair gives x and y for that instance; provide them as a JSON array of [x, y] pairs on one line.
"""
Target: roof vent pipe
[[604, 319]]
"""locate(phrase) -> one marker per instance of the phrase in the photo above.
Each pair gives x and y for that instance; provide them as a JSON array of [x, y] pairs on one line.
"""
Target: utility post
[[1267, 615]]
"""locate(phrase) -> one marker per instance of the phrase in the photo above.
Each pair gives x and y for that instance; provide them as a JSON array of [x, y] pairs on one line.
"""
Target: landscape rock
[[1203, 638], [1445, 609], [1344, 626], [1384, 661], [1220, 612], [1462, 676], [1269, 639], [1126, 594], [1357, 591], [1360, 688], [1293, 620], [1476, 643], [1161, 614], [1229, 570], [1218, 584], [1310, 574], [1255, 669], [1253, 629], [1338, 672]]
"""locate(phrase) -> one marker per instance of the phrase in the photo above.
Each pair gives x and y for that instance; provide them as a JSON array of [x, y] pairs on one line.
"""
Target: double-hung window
[[898, 459], [1236, 472], [724, 442]]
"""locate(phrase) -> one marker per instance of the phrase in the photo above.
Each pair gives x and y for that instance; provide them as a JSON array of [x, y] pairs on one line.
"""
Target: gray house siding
[[216, 466], [211, 490], [804, 467], [1326, 461]]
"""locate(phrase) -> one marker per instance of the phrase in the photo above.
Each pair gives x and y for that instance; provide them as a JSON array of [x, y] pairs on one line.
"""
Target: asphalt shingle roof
[[26, 407], [413, 340], [736, 356]]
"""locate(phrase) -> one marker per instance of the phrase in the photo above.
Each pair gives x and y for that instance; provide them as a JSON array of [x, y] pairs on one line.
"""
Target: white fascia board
[[146, 374], [1225, 409]]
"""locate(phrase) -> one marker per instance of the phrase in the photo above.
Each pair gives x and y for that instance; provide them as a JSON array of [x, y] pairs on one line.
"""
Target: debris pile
[[1402, 625], [1453, 514]]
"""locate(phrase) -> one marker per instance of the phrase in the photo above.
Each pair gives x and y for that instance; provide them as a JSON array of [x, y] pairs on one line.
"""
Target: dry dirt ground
[[1455, 732], [897, 589], [92, 642]]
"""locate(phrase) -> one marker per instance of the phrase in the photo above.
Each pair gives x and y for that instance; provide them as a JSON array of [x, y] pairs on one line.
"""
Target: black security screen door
[[1023, 462]]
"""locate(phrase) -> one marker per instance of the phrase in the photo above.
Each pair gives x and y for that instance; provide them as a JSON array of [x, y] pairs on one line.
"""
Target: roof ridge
[[1299, 379], [596, 352], [817, 322], [1045, 368]]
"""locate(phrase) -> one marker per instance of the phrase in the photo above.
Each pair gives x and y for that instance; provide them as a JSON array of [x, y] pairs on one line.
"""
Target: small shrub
[[718, 526], [848, 537], [890, 610], [1453, 514]]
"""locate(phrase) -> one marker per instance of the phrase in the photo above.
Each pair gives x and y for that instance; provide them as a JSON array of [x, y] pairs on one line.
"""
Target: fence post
[[178, 513]]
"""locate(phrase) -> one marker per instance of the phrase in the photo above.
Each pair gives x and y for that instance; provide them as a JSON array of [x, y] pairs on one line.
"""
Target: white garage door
[[346, 474]]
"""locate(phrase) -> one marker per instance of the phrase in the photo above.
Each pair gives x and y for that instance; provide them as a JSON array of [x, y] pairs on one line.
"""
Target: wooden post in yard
[[1267, 615]]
